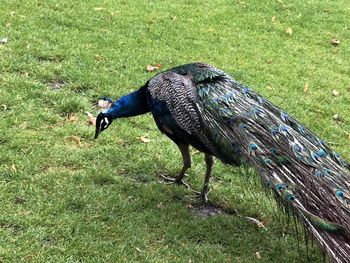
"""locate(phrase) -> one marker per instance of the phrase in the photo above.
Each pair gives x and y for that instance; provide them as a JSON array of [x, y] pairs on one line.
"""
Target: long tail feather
[[306, 174]]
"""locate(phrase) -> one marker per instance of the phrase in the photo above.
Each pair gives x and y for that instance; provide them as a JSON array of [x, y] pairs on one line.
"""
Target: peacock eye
[[291, 197]]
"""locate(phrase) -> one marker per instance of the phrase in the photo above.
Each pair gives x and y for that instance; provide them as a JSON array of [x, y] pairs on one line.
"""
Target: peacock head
[[103, 121]]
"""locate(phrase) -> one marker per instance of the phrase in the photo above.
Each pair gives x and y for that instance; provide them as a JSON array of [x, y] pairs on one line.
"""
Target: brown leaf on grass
[[266, 221], [335, 42], [306, 88], [151, 68], [256, 221], [139, 250], [258, 255], [92, 119], [157, 156], [72, 116], [120, 142], [75, 139], [13, 168], [98, 57], [144, 139], [337, 118], [335, 92], [289, 31]]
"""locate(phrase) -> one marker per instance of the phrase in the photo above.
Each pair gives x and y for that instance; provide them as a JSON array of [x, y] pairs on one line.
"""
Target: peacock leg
[[186, 158], [209, 161]]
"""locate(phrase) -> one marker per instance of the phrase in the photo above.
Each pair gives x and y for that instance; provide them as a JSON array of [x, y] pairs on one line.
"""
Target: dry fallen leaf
[[160, 205], [258, 255], [289, 31], [335, 92], [144, 139], [335, 42], [336, 117], [266, 221], [139, 250], [13, 168], [72, 117], [256, 221], [151, 68], [306, 88], [92, 119], [157, 156], [98, 57], [76, 139], [120, 142]]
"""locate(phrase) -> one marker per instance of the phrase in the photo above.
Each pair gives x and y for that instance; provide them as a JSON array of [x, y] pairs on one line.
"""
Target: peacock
[[199, 105]]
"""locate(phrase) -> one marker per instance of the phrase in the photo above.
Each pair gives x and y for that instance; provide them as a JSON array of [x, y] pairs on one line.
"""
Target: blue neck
[[130, 105]]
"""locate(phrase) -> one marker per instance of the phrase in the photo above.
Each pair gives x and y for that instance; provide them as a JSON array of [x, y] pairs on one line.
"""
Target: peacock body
[[199, 105]]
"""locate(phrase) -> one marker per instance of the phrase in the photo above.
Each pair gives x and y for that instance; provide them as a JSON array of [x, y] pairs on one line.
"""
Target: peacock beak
[[98, 126], [96, 134]]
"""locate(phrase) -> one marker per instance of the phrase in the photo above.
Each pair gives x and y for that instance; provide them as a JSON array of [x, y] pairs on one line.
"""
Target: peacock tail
[[305, 173]]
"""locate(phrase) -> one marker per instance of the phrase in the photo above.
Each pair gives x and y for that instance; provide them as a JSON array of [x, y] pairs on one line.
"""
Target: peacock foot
[[203, 195], [175, 180]]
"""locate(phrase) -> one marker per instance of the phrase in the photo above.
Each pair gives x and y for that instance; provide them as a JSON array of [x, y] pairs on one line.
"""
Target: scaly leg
[[186, 157], [209, 161]]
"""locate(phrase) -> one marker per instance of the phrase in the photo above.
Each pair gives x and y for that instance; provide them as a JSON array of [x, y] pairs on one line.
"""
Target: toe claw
[[176, 180], [203, 195], [182, 182], [167, 178]]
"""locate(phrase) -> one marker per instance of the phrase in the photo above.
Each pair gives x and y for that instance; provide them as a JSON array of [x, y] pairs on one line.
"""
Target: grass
[[102, 201]]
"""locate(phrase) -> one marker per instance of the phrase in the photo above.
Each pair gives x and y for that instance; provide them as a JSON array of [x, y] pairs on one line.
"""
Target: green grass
[[102, 201]]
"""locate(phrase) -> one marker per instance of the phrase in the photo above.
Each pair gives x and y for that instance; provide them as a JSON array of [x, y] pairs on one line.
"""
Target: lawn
[[68, 198]]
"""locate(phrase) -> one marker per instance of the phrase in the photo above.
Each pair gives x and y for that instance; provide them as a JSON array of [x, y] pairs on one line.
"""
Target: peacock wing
[[174, 103]]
